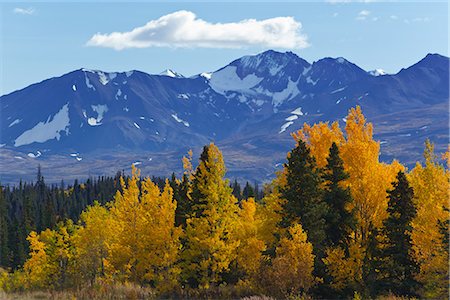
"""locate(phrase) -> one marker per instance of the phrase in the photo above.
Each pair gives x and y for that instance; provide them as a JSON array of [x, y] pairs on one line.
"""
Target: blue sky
[[42, 40]]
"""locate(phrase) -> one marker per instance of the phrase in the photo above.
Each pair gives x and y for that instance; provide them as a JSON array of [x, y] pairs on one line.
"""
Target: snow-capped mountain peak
[[377, 72], [171, 73], [269, 63], [256, 101]]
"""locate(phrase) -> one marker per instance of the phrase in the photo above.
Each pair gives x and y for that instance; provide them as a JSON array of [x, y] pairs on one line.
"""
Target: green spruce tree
[[248, 191], [398, 265], [304, 203], [339, 221], [4, 249]]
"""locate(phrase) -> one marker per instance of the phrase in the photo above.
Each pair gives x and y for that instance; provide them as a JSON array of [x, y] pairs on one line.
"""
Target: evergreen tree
[[372, 264], [340, 221], [248, 191], [4, 250], [184, 202], [236, 190], [305, 205], [258, 193], [398, 265], [304, 201]]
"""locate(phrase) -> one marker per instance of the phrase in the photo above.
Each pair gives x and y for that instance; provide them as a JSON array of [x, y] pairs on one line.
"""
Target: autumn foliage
[[326, 227]]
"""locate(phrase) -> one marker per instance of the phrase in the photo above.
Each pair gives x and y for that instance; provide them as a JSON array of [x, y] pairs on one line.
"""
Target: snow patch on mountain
[[285, 126], [338, 90], [15, 122], [76, 156], [227, 79], [136, 125], [74, 87], [102, 78], [273, 70], [259, 102], [46, 130], [206, 75], [242, 98], [100, 109], [180, 120], [32, 155], [306, 70], [310, 81], [377, 72], [288, 93], [297, 111], [118, 94], [171, 73], [88, 83], [292, 118]]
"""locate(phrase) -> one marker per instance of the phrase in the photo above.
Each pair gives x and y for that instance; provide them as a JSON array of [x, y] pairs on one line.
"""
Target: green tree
[[4, 249], [340, 221], [304, 201], [181, 195], [248, 191], [399, 266], [236, 190]]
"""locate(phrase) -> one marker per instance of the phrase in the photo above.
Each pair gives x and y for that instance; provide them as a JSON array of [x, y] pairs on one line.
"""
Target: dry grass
[[107, 292]]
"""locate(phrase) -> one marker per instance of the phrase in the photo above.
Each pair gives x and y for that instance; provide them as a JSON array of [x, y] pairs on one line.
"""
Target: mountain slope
[[93, 122]]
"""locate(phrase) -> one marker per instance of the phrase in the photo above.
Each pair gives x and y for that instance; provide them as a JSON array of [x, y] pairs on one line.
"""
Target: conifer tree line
[[37, 206], [335, 223]]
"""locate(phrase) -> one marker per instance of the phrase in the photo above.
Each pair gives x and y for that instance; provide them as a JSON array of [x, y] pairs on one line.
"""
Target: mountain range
[[90, 122]]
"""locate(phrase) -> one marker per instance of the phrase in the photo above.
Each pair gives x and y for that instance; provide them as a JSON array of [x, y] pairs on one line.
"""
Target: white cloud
[[182, 29], [362, 15], [24, 11], [394, 17]]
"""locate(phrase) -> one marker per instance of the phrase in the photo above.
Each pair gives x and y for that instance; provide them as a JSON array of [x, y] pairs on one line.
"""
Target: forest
[[335, 223]]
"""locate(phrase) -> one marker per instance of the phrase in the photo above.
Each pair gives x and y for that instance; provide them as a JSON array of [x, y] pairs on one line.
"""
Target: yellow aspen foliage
[[249, 253], [319, 138], [91, 242], [187, 164], [431, 194], [146, 244], [369, 179], [37, 268], [291, 270], [210, 234], [160, 240], [60, 251], [125, 217], [51, 255], [269, 212], [346, 271]]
